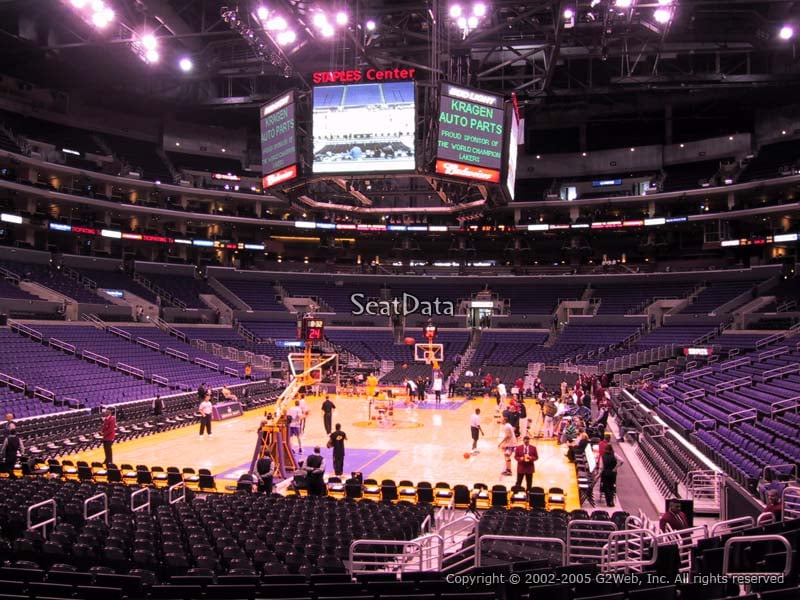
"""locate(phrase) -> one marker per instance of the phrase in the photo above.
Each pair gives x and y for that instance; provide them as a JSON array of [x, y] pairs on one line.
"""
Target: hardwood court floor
[[423, 444]]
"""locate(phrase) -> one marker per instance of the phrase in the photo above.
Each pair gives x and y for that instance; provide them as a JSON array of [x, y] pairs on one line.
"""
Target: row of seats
[[140, 475], [458, 496]]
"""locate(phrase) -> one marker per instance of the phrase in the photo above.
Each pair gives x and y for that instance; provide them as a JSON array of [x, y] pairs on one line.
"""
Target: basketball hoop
[[428, 352]]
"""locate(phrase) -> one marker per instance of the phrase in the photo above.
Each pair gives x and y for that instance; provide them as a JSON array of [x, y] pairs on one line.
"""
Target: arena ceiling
[[530, 49]]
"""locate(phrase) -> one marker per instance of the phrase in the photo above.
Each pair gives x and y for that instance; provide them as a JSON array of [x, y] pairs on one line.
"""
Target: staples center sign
[[357, 76]]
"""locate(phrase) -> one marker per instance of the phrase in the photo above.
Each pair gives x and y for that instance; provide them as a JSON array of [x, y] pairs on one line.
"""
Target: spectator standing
[[158, 406], [336, 442], [205, 409], [11, 448], [108, 431], [264, 470], [608, 473], [526, 455], [327, 414]]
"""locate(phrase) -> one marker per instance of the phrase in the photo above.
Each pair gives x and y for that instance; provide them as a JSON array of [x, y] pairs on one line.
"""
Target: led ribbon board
[[278, 141], [512, 151], [470, 140]]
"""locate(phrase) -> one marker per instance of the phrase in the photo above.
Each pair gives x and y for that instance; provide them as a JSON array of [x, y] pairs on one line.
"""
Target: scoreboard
[[470, 138], [278, 141]]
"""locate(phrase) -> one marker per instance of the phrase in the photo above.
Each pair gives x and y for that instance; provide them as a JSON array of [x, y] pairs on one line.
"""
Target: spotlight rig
[[258, 39]]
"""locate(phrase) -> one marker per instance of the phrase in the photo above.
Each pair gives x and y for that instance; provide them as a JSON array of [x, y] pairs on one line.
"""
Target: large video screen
[[278, 141], [470, 140], [364, 128]]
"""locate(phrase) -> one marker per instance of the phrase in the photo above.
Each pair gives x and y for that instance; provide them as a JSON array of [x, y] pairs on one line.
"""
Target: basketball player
[[475, 429], [507, 445]]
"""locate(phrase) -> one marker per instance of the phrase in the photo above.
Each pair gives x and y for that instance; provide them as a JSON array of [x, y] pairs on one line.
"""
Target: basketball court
[[420, 443]]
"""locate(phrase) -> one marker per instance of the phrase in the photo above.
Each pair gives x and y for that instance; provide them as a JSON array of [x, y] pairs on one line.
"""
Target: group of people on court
[[437, 385]]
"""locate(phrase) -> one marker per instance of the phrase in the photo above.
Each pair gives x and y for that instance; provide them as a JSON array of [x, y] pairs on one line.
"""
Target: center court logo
[[407, 304]]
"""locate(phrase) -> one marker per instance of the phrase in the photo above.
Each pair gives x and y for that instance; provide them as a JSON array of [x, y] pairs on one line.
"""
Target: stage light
[[370, 25], [461, 22], [286, 37], [665, 2], [455, 11], [276, 24], [341, 18], [327, 30], [786, 32], [102, 17], [262, 12], [152, 56], [479, 9], [569, 14], [79, 3], [149, 41], [320, 20], [472, 22], [186, 64], [623, 3], [662, 15]]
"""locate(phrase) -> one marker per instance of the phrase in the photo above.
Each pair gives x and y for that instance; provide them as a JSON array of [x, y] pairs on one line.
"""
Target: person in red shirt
[[774, 505], [525, 455], [603, 443], [109, 432], [519, 384], [674, 517], [488, 380]]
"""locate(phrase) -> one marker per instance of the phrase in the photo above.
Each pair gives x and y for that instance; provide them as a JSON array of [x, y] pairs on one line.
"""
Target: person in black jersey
[[336, 442]]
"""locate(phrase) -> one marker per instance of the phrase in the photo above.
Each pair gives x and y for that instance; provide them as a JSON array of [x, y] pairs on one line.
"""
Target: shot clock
[[310, 329]]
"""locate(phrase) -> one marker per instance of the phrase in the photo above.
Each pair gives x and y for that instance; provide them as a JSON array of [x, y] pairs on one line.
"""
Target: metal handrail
[[173, 499], [42, 524], [146, 505], [420, 548], [784, 406], [790, 500], [740, 416], [726, 556], [519, 538], [639, 536], [731, 526], [453, 534], [582, 541], [103, 513]]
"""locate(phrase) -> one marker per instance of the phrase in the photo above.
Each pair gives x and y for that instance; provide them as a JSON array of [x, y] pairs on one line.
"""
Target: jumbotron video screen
[[364, 128]]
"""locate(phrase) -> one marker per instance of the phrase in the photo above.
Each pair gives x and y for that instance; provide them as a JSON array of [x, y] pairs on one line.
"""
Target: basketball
[[467, 455], [410, 341]]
